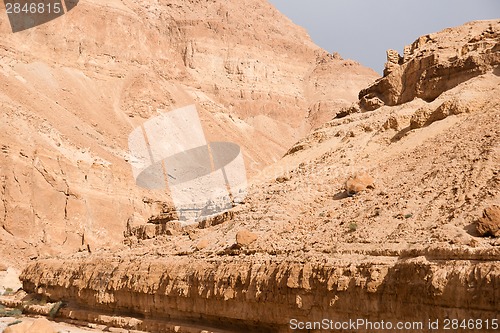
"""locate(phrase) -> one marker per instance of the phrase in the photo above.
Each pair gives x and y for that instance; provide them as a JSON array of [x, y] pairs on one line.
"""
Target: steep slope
[[304, 247], [74, 88]]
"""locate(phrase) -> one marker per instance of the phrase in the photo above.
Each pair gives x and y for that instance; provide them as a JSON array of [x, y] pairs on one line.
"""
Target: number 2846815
[[33, 8]]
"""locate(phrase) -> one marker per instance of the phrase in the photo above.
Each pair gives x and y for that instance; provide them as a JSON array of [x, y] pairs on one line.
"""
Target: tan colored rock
[[9, 279], [489, 223], [331, 90], [245, 237], [64, 161], [421, 117], [345, 111], [392, 123], [358, 183], [202, 244], [393, 61], [370, 102], [18, 328], [305, 263], [133, 222], [438, 62], [393, 56], [453, 106], [41, 325], [311, 287], [149, 231]]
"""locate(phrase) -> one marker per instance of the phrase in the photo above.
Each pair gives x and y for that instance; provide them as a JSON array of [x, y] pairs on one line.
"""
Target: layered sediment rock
[[436, 63], [265, 295], [405, 251]]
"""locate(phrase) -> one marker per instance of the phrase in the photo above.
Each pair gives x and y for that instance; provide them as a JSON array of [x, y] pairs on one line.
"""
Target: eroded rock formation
[[74, 88], [406, 250], [436, 63]]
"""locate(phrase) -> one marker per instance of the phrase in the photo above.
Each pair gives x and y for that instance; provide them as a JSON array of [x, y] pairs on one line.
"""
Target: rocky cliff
[[74, 88], [267, 295], [435, 63]]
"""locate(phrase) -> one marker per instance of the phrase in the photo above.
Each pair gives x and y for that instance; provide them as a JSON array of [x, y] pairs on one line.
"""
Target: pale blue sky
[[364, 29]]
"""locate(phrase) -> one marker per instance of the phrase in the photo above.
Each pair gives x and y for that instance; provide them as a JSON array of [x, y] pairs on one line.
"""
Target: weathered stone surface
[[426, 71], [257, 79], [358, 183], [40, 325], [401, 251], [454, 106], [202, 244], [370, 102], [253, 294], [351, 109], [392, 123], [245, 237], [393, 61], [18, 328], [489, 223]]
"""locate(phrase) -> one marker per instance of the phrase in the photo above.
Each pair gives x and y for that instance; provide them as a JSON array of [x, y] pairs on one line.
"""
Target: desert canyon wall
[[371, 197], [74, 88], [421, 152]]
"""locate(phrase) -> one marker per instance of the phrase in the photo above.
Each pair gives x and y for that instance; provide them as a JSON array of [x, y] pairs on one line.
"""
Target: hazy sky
[[364, 29]]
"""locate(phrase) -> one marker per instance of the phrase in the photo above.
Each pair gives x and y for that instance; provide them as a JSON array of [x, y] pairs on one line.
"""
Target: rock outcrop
[[245, 238], [436, 63], [263, 296]]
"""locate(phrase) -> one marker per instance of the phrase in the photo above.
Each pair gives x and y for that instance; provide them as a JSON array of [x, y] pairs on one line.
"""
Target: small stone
[[282, 179], [245, 237], [391, 123]]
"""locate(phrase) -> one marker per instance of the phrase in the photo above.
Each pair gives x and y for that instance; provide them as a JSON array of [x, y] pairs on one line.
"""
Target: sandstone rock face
[[41, 325], [393, 61], [329, 90], [489, 224], [74, 88], [9, 279], [438, 62], [403, 251], [202, 244], [250, 295]]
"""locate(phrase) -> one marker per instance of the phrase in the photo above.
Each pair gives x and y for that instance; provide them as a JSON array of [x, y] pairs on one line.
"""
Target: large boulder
[[489, 224], [358, 183]]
